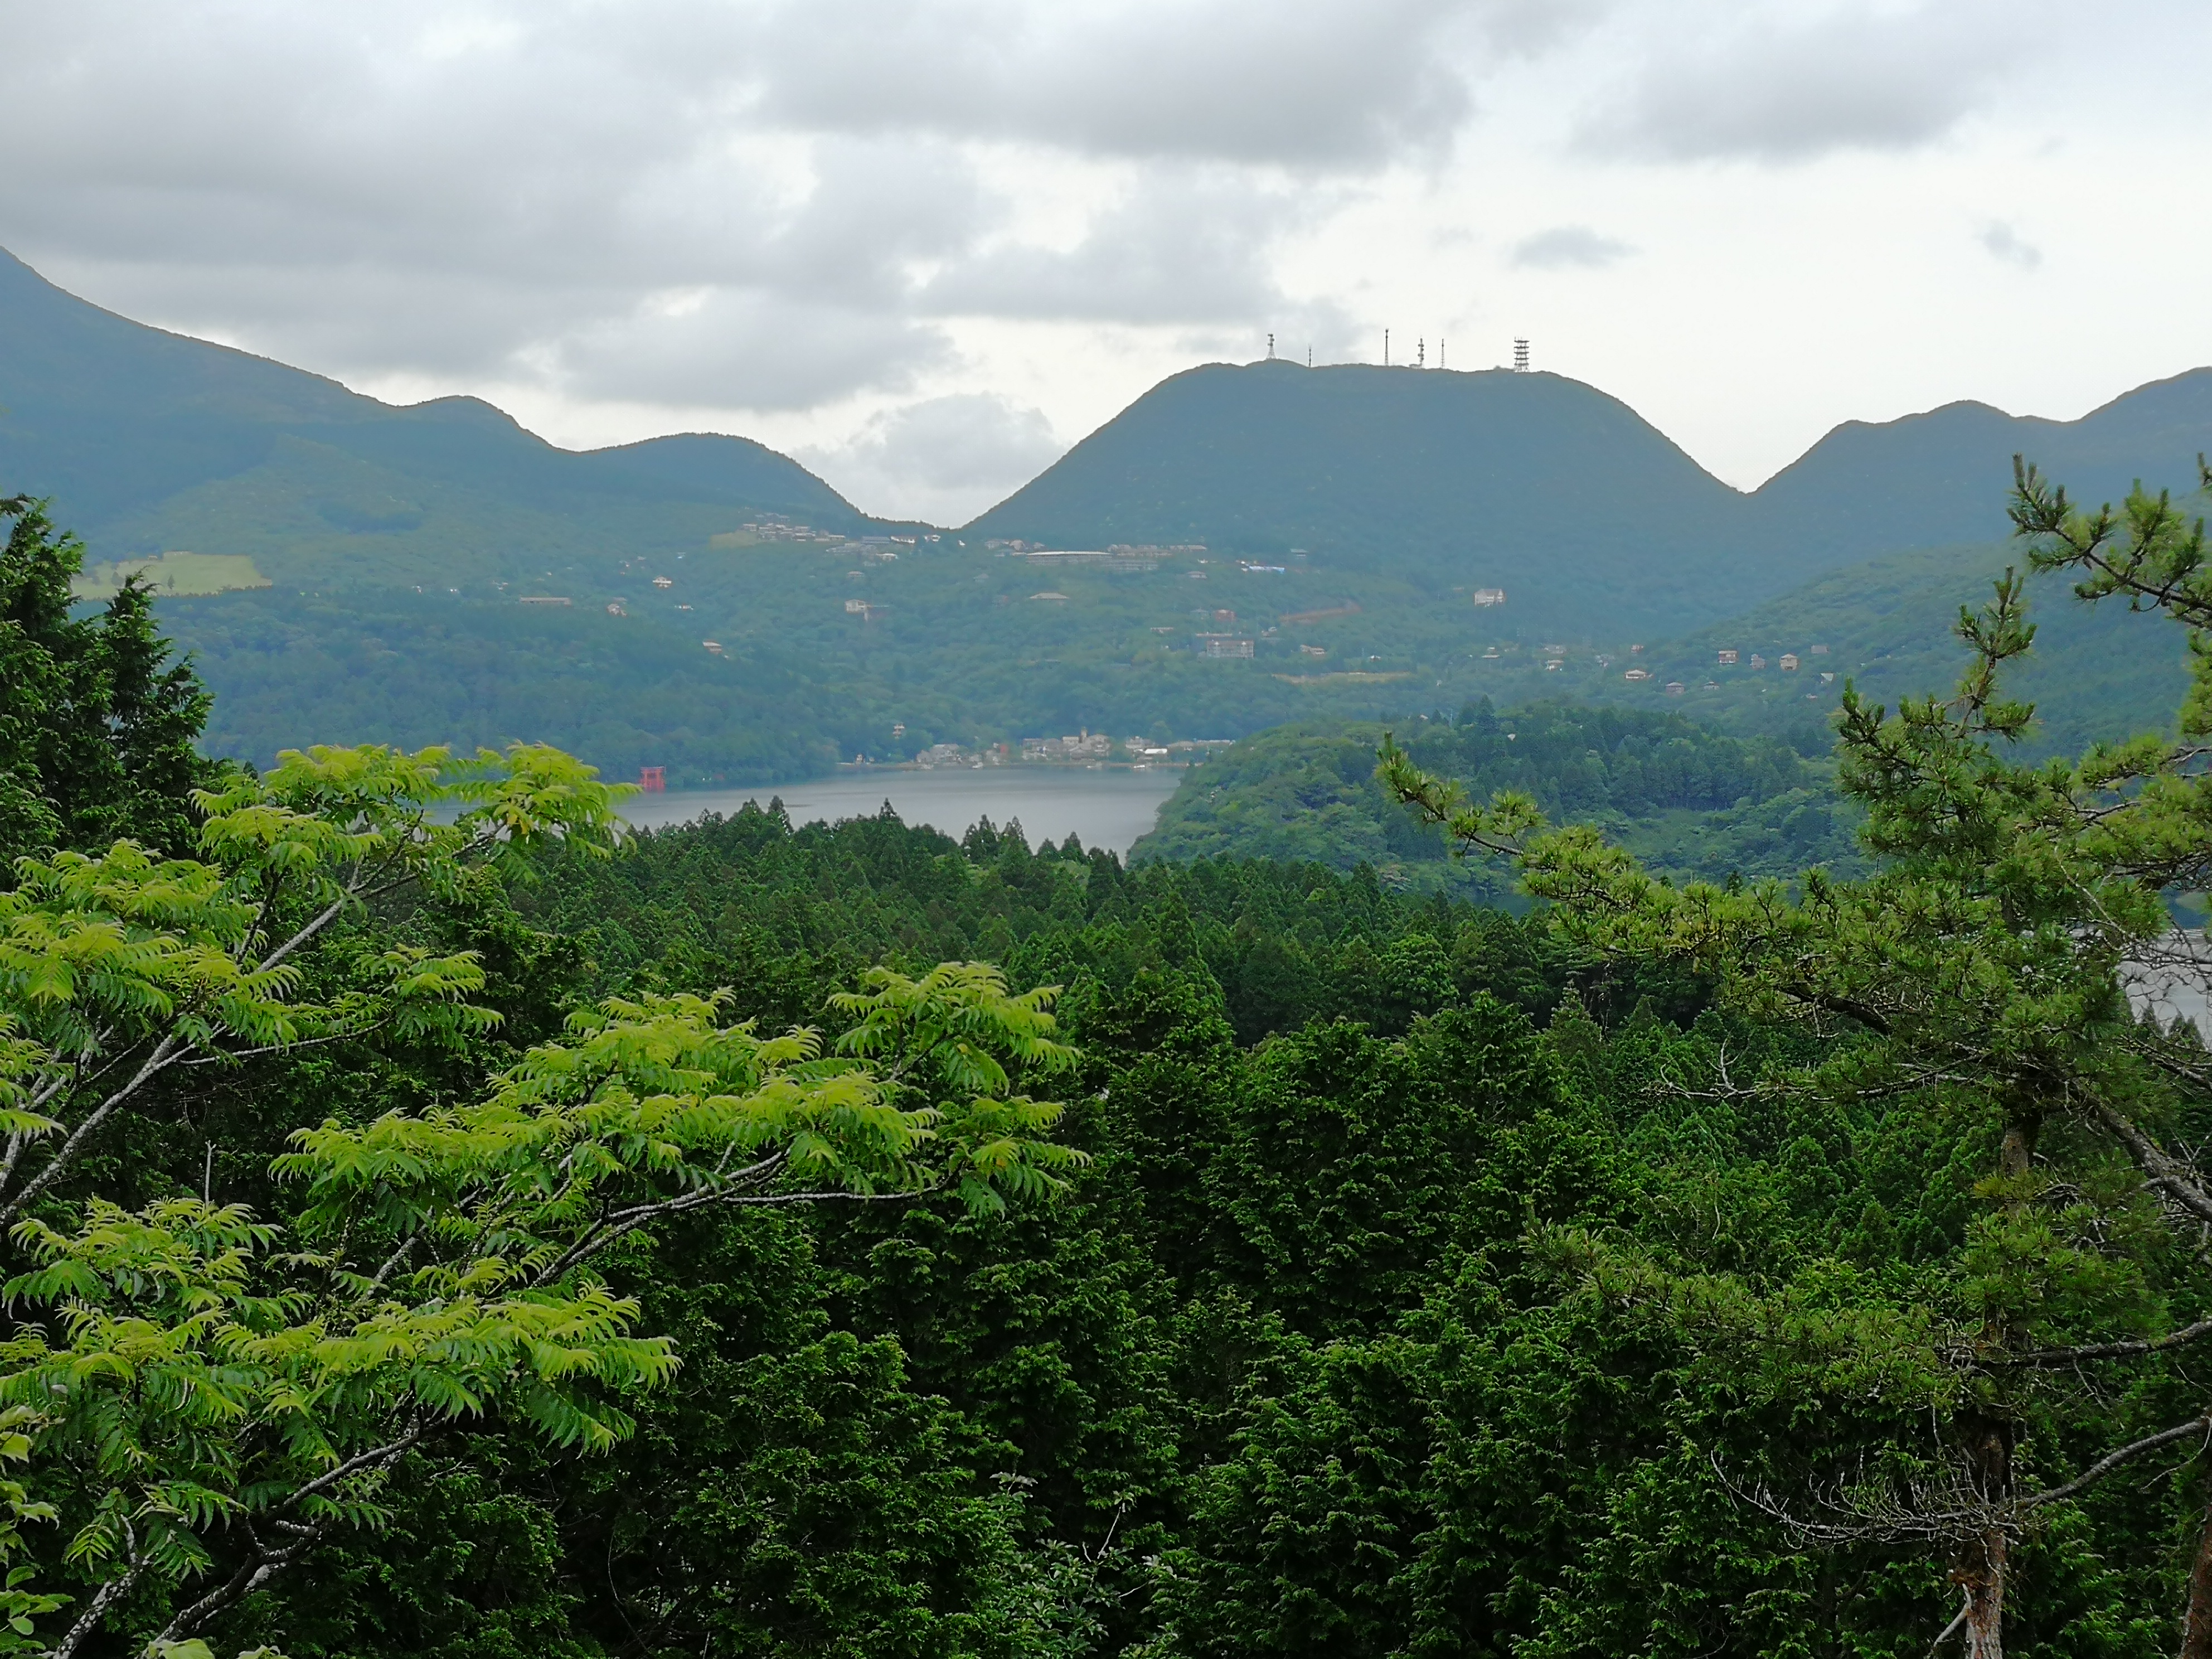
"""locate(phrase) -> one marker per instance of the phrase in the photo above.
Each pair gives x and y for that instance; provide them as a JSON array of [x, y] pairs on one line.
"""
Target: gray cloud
[[519, 192], [2005, 243], [1177, 248], [1326, 84], [945, 458], [725, 349], [1567, 247], [1785, 88]]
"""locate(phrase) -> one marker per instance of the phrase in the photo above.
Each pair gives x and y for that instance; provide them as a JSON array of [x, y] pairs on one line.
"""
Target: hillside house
[[1758, 661], [1790, 662], [1728, 658], [1221, 645], [1488, 596]]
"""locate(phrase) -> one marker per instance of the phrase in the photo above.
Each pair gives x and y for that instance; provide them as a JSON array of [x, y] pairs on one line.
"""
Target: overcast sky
[[926, 245]]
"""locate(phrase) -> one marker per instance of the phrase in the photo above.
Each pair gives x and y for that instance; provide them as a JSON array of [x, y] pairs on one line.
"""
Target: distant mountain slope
[[1939, 478], [1587, 516], [1546, 486], [149, 440], [395, 543], [2097, 672]]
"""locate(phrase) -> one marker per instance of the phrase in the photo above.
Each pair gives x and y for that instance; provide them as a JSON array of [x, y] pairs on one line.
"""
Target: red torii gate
[[652, 779]]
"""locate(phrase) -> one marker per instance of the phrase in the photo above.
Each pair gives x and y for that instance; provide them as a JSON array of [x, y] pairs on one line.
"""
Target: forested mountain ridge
[[1884, 626], [1541, 485], [1591, 520], [1696, 805], [397, 543], [1926, 480], [146, 440]]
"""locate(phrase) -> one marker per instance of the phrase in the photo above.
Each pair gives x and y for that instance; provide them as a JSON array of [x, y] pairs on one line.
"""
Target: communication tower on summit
[[1520, 356], [1271, 348]]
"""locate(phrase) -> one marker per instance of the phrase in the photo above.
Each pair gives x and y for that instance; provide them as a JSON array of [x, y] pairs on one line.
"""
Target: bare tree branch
[[2053, 1356], [66, 1154], [2104, 1465]]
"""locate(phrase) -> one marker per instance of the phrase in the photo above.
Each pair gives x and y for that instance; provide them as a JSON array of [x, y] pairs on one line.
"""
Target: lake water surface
[[1107, 808]]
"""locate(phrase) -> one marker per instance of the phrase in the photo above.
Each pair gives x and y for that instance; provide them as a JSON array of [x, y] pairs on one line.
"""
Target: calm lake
[[1106, 808]]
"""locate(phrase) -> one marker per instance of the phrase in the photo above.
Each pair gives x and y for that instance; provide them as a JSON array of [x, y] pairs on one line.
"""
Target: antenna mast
[[1386, 348], [1520, 356]]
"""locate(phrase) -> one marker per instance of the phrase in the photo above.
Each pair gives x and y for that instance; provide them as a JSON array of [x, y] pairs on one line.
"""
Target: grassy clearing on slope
[[174, 575]]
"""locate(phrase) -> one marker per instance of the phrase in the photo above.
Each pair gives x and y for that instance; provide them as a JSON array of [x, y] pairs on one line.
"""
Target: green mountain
[[381, 553], [1473, 480], [1593, 522], [1885, 625], [1939, 478], [149, 442], [2096, 673]]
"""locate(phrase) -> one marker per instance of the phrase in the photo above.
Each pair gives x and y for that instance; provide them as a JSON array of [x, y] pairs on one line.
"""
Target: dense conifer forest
[[441, 1224]]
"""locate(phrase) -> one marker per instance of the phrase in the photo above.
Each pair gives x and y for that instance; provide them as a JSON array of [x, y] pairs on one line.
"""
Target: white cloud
[[944, 460], [1176, 249], [719, 348], [1569, 246], [2005, 243], [1785, 83]]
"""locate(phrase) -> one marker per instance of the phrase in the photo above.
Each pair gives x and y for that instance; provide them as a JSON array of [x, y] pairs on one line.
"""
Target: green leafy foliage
[[737, 1243]]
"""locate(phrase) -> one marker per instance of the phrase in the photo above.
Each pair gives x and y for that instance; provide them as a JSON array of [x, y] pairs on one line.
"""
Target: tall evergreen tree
[[97, 723], [1981, 975]]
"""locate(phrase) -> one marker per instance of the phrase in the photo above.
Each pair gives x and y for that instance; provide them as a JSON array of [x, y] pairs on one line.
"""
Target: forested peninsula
[[439, 1221]]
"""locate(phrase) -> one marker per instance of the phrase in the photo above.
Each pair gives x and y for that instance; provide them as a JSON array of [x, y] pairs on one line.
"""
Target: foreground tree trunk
[[2196, 1623], [1980, 1571]]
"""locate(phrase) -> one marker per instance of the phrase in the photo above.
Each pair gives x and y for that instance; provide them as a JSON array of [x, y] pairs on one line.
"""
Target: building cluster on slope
[[1084, 745], [772, 527], [1123, 558]]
